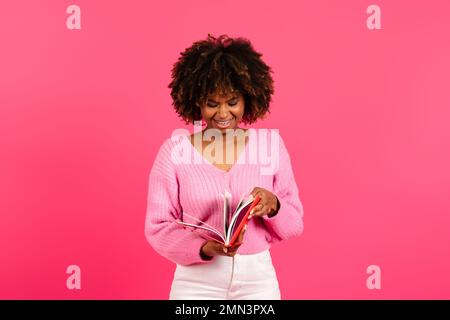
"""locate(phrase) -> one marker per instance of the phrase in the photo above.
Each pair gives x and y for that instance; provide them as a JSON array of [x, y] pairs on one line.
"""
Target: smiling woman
[[224, 82]]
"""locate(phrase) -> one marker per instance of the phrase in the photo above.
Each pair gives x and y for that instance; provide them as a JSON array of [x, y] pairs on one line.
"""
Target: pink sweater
[[195, 187]]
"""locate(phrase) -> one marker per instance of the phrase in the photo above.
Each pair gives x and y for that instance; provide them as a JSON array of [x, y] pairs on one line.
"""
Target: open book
[[233, 223]]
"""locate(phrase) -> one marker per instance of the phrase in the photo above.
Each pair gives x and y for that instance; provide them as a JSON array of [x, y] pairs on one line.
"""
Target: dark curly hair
[[225, 64]]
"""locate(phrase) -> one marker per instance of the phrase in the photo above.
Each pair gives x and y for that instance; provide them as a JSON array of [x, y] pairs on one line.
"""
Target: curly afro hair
[[222, 65]]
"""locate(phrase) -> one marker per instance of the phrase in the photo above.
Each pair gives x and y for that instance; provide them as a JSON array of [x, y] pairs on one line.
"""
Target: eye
[[213, 104]]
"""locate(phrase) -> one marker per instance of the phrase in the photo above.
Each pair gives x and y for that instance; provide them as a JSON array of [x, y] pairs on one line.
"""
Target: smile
[[223, 124]]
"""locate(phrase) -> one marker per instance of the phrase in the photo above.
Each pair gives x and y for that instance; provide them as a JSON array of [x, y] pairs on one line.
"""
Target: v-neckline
[[222, 171]]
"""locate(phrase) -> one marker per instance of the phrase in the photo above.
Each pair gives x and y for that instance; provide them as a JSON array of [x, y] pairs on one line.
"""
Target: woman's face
[[223, 111]]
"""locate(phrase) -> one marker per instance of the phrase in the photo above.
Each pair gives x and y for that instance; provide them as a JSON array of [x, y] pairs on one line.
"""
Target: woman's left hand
[[268, 205]]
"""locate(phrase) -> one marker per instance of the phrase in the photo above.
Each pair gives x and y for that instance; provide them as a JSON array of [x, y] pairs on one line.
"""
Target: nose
[[223, 112]]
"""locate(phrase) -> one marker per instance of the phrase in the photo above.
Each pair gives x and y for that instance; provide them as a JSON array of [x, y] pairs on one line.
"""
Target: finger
[[259, 193], [259, 210], [219, 248], [227, 249], [236, 245], [241, 235], [255, 209], [255, 189], [264, 211], [238, 242], [231, 253]]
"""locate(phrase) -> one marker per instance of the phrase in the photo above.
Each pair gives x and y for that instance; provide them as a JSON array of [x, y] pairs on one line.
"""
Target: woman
[[223, 82]]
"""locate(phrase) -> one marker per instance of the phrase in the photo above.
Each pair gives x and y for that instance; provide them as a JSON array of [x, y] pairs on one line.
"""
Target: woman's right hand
[[212, 248]]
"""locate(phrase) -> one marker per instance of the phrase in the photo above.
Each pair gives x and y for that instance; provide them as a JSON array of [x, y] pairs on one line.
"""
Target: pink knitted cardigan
[[182, 180]]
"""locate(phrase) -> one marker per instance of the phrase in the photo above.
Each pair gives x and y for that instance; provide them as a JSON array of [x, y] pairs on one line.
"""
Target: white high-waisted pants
[[242, 277]]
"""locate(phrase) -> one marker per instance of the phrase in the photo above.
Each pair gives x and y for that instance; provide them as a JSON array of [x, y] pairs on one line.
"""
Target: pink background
[[364, 114]]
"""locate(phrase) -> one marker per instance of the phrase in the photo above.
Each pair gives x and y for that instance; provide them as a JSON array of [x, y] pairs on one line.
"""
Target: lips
[[223, 124]]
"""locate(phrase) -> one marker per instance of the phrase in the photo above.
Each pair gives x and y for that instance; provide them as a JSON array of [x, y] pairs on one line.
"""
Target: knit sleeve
[[288, 222], [168, 238]]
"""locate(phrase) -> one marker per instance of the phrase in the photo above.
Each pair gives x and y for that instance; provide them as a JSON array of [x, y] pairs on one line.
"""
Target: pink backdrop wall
[[364, 114]]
